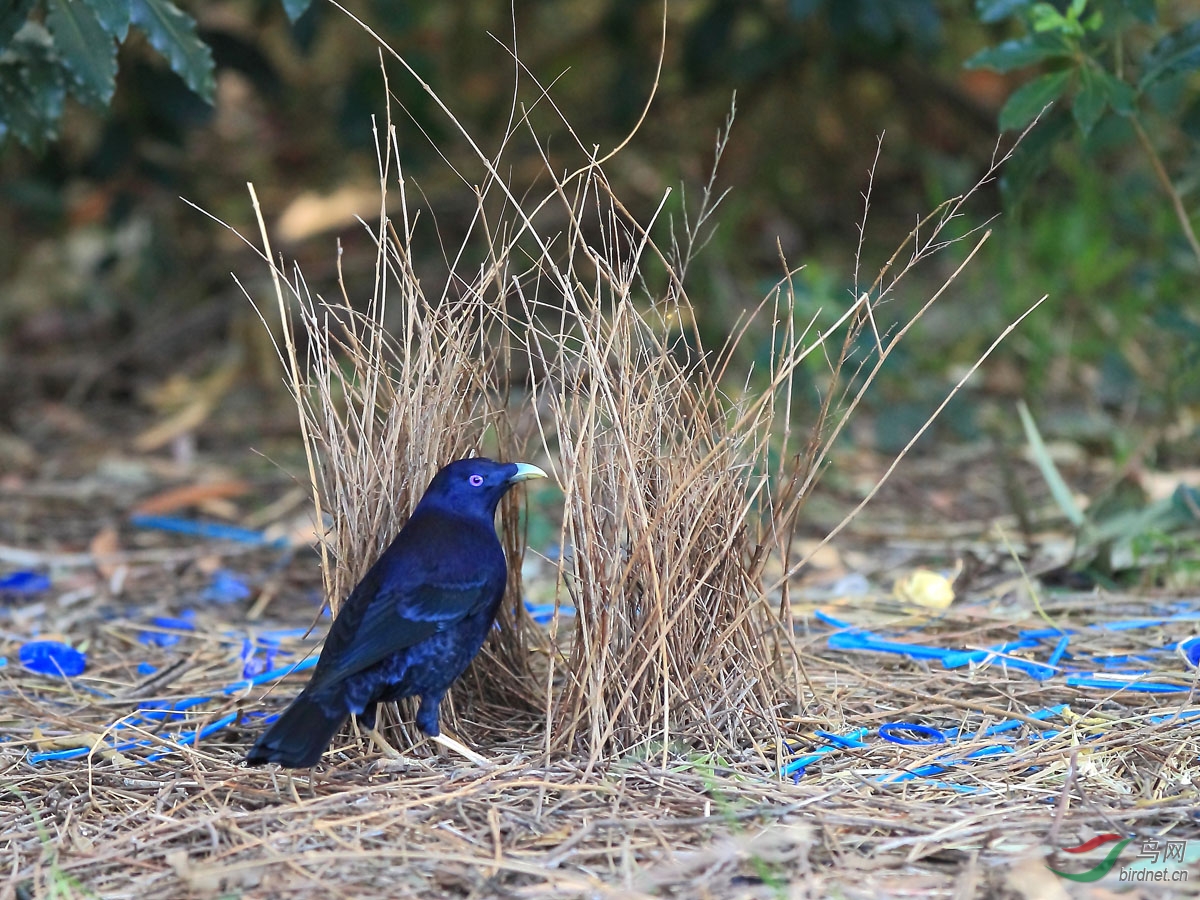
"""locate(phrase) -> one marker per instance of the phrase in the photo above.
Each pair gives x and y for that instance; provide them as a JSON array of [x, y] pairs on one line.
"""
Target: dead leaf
[[189, 495], [104, 548]]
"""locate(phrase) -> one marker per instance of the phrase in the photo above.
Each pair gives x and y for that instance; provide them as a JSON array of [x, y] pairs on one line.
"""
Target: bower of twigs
[[645, 744]]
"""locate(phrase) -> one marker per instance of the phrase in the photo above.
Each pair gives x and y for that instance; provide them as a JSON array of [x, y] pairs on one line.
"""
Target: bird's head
[[475, 485]]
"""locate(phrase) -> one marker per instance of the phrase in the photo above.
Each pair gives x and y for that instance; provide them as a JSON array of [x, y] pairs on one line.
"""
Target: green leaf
[[12, 17], [296, 8], [172, 33], [113, 16], [1091, 100], [41, 72], [1030, 99], [1020, 52], [990, 11], [1120, 95], [1041, 457], [1175, 54], [85, 48]]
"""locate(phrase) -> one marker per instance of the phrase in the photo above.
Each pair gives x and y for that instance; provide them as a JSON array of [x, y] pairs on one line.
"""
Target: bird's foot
[[462, 750], [382, 745]]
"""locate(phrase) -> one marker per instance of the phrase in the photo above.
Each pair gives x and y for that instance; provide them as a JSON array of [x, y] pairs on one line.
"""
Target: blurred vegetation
[[111, 285]]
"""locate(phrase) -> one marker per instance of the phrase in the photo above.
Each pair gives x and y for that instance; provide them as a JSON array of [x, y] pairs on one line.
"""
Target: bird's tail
[[298, 737]]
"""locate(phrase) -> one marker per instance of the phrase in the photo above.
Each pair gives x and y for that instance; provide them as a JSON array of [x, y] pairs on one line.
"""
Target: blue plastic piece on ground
[[214, 530], [542, 613], [896, 731], [226, 587], [1107, 681], [1191, 650], [53, 658], [839, 740], [866, 640], [1059, 651], [798, 765], [184, 622], [24, 583], [145, 668], [830, 620], [269, 676]]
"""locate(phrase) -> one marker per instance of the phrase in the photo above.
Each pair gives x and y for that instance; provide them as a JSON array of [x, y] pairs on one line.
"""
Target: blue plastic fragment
[[1040, 633], [1191, 650], [1109, 681], [185, 738], [213, 530], [251, 664], [839, 740], [146, 669], [271, 675], [798, 765], [226, 587], [186, 621], [866, 640], [896, 733], [1059, 651], [963, 657], [830, 620], [52, 658], [24, 583], [542, 613]]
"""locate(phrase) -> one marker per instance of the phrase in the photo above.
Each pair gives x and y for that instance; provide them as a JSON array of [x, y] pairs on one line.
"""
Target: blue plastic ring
[[895, 731]]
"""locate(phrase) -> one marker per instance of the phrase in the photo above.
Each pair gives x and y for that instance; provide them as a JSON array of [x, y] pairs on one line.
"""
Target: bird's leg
[[427, 721], [382, 745], [368, 718]]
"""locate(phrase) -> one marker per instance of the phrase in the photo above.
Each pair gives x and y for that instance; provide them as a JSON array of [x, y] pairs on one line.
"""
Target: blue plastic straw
[[1110, 681], [212, 530], [1059, 650], [799, 764], [897, 732]]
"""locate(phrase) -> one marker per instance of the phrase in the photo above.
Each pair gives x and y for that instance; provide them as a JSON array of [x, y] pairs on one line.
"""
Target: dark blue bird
[[415, 621]]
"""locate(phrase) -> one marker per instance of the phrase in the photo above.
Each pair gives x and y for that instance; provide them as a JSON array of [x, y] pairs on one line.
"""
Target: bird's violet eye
[[475, 480]]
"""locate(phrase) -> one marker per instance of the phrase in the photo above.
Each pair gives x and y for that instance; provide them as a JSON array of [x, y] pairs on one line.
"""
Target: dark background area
[[116, 296]]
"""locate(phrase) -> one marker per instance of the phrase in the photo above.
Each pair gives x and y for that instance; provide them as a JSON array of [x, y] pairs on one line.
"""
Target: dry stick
[[297, 387], [904, 452], [1164, 179]]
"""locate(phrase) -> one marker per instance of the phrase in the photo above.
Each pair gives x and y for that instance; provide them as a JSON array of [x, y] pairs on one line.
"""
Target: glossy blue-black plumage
[[414, 622]]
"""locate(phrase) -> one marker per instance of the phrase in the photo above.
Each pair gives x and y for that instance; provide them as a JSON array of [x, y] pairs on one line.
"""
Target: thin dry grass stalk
[[662, 476], [677, 489]]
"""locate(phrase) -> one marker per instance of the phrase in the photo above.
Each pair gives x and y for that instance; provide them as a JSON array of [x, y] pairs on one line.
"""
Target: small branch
[[1165, 180]]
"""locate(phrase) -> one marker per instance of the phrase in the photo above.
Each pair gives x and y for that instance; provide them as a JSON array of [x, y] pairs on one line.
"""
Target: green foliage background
[[112, 109]]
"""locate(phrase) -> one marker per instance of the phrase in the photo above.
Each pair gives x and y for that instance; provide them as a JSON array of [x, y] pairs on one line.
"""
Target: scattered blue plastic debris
[[153, 711], [186, 621], [797, 766], [24, 583], [280, 672], [52, 658], [226, 587], [145, 668], [251, 664]]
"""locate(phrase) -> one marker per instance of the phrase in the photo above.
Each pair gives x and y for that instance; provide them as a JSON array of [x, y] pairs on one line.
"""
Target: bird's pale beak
[[525, 472]]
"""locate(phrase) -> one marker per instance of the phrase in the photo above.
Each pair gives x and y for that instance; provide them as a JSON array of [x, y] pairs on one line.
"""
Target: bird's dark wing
[[396, 618]]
